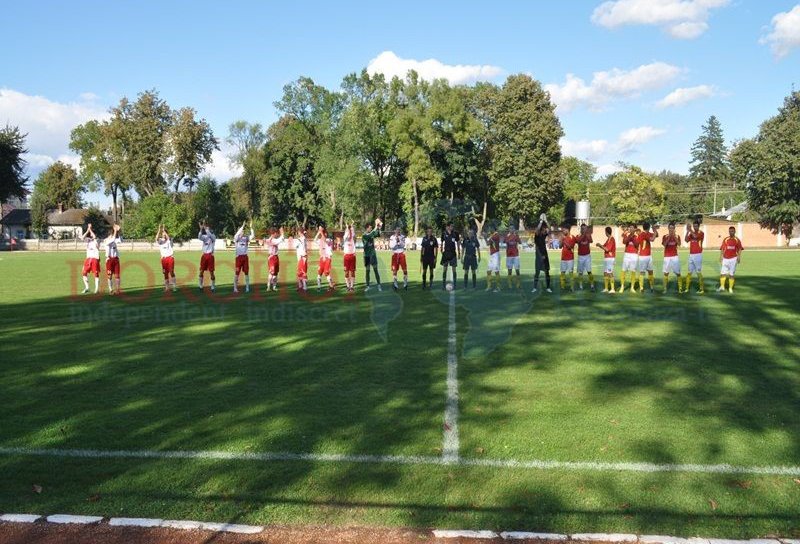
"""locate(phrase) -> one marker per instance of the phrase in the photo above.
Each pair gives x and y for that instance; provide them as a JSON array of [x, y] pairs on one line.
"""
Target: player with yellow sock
[[568, 242], [730, 256], [609, 260], [585, 256], [695, 237], [493, 270], [630, 260], [672, 262], [645, 239]]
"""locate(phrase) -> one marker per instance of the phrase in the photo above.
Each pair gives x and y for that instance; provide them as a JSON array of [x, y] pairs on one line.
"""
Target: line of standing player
[[637, 258]]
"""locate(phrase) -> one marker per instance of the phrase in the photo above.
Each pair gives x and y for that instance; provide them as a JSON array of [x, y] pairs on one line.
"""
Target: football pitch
[[564, 412]]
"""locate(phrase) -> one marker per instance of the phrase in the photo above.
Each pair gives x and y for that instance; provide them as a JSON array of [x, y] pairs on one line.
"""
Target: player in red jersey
[[493, 241], [584, 242], [568, 242], [630, 259], [695, 238], [645, 241], [92, 261], [512, 258], [672, 263], [609, 260], [730, 256]]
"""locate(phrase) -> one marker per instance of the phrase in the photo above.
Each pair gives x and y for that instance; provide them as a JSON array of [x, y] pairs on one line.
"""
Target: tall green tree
[[190, 144], [12, 165], [211, 203], [769, 167], [709, 162], [636, 196], [58, 186], [524, 138]]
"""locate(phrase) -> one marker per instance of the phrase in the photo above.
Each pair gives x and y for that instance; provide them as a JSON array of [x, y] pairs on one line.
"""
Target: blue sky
[[610, 66]]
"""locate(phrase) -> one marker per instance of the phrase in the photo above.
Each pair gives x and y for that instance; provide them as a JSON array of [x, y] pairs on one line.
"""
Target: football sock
[[722, 282], [651, 280], [563, 280], [591, 279], [700, 281], [86, 282], [731, 281]]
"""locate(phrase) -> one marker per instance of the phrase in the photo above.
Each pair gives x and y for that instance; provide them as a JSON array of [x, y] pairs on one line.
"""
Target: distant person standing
[[167, 250], [301, 250], [542, 258], [207, 257], [512, 258], [273, 244], [695, 237], [493, 241], [470, 257], [672, 263], [242, 264], [92, 261], [451, 253], [397, 244], [730, 256], [427, 256], [112, 261], [630, 260], [568, 242], [349, 243], [609, 260], [584, 242], [370, 257]]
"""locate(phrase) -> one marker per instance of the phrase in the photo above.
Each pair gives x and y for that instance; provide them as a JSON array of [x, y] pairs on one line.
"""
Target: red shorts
[[242, 264], [112, 266], [399, 261], [349, 262], [91, 265], [168, 266], [324, 268], [207, 262], [302, 268], [274, 265]]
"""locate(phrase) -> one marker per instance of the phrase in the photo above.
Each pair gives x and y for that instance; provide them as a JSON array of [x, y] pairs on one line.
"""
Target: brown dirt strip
[[50, 533]]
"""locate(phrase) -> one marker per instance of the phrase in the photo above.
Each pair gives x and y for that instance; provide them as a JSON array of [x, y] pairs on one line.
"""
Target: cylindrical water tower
[[582, 212]]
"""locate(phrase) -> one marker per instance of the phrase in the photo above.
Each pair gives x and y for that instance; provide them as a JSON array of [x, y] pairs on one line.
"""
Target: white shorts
[[728, 267], [609, 263], [673, 265], [695, 263], [512, 262], [629, 262], [567, 266], [645, 263], [584, 264], [494, 262]]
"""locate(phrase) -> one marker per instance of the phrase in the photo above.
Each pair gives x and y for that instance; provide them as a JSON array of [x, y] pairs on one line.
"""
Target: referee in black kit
[[429, 250], [451, 253]]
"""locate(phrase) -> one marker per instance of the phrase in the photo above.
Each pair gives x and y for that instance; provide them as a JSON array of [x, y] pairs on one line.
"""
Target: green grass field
[[574, 377]]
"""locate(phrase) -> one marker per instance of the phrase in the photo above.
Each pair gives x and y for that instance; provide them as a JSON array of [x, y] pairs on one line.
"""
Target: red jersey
[[670, 244], [631, 242], [731, 246], [644, 240], [610, 248], [494, 243], [512, 245], [695, 240], [567, 253], [584, 244]]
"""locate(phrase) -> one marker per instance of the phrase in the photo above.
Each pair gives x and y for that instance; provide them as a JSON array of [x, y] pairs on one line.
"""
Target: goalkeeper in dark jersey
[[370, 257]]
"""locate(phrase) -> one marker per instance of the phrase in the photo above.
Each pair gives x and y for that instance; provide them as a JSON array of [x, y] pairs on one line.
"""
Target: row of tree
[[410, 151]]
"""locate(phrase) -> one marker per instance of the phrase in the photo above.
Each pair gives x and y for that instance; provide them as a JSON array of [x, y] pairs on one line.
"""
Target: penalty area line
[[534, 464]]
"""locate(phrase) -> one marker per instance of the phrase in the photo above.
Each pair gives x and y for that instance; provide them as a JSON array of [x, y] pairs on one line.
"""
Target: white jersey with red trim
[[111, 247], [397, 243], [273, 244], [208, 240], [301, 246], [349, 242], [242, 242], [165, 247], [92, 249]]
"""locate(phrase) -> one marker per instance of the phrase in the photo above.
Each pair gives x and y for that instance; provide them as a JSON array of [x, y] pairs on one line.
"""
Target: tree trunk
[[479, 224], [115, 215], [416, 208]]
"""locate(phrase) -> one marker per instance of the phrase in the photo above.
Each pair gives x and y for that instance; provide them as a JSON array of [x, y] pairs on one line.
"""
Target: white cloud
[[632, 138], [606, 169], [39, 162], [220, 168], [681, 19], [611, 85], [683, 95], [47, 123], [584, 149], [605, 151], [785, 32], [390, 65]]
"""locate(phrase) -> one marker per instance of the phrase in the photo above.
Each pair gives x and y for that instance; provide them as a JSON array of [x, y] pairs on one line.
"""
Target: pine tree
[[710, 155]]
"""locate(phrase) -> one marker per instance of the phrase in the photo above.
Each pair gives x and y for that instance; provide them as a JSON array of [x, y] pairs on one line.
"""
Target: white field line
[[534, 464], [450, 444]]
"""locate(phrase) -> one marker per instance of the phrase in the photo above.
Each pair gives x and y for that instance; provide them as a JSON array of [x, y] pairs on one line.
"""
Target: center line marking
[[450, 442]]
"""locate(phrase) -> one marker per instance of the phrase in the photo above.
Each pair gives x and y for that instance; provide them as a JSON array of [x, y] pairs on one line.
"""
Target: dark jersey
[[429, 245], [540, 241], [470, 246], [449, 243]]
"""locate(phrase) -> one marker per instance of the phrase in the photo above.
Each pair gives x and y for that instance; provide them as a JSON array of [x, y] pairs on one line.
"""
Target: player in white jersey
[[242, 264], [92, 262], [207, 258], [301, 248], [164, 242], [112, 260], [397, 243], [325, 247], [349, 241], [273, 261]]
